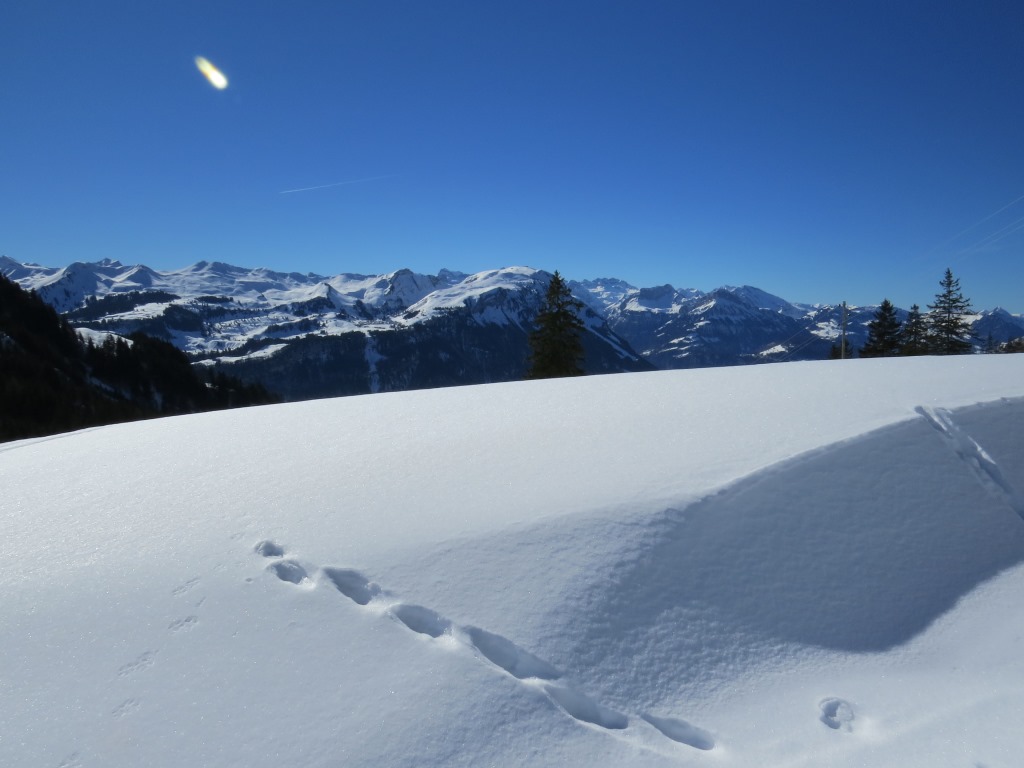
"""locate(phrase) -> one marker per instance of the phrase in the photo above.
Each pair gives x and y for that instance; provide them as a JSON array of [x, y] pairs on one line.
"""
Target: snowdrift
[[801, 564]]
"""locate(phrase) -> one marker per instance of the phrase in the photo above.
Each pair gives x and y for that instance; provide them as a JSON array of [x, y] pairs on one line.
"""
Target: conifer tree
[[883, 333], [837, 352], [948, 332], [913, 339], [1012, 346], [556, 348]]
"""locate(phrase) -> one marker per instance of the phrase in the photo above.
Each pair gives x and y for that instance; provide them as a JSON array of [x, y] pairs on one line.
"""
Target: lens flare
[[214, 75]]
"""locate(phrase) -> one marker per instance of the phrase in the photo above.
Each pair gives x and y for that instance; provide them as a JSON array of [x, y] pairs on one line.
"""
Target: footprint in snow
[[288, 570], [186, 586], [267, 548], [509, 656], [181, 625], [352, 584], [142, 661], [126, 707], [682, 731], [836, 714], [585, 709], [421, 620]]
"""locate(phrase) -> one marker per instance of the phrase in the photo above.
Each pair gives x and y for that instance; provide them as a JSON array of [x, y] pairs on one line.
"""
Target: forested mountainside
[[52, 379]]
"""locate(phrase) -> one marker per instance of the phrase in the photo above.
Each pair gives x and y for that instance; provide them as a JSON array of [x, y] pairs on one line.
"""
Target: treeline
[[51, 381], [942, 330]]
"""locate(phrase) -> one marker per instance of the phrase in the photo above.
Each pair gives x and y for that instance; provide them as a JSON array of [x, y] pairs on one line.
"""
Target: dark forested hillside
[[51, 381]]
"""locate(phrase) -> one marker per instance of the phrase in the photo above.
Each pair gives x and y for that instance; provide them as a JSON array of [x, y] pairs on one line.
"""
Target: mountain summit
[[308, 335]]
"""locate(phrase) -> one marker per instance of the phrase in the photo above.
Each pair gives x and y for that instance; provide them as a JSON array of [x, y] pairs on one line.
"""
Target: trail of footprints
[[142, 661], [974, 457], [493, 648], [499, 651], [147, 659]]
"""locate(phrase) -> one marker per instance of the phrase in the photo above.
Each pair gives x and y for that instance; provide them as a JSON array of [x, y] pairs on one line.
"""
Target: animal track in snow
[[507, 655], [181, 625], [186, 586], [147, 659], [422, 620], [585, 709], [974, 456], [682, 731], [268, 548], [836, 714], [288, 570], [488, 646], [353, 585], [143, 661], [126, 707]]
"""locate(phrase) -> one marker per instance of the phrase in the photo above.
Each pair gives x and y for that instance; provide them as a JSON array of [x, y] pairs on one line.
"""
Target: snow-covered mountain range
[[308, 335], [688, 328]]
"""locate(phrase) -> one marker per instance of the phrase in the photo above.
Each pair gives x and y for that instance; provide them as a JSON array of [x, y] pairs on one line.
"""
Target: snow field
[[789, 565]]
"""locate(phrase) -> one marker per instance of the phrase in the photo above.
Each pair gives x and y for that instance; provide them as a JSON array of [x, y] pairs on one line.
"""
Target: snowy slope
[[802, 565]]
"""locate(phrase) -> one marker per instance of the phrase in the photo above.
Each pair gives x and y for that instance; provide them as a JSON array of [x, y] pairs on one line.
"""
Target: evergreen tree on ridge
[[883, 333], [948, 332], [913, 339], [556, 348]]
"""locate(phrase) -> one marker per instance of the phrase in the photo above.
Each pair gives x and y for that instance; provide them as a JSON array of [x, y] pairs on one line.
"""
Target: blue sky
[[820, 151]]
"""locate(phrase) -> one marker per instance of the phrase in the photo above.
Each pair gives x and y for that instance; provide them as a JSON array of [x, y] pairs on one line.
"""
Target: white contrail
[[991, 215], [987, 240], [337, 184], [995, 237]]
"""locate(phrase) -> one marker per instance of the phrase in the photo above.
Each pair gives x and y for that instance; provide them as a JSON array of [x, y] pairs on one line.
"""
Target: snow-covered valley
[[789, 565]]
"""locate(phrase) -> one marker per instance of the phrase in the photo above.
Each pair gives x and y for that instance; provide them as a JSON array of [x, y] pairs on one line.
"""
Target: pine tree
[[556, 348], [1012, 346], [51, 381], [883, 333], [836, 351], [948, 332], [913, 339]]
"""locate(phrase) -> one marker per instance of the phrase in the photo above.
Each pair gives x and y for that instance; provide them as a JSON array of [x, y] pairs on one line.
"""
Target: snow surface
[[807, 564], [100, 337], [473, 288], [268, 351]]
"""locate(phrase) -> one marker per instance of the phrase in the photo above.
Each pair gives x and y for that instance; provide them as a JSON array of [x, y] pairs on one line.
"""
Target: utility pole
[[842, 347]]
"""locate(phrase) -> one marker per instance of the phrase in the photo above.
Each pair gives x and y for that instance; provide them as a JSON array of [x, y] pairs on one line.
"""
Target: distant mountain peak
[[261, 318]]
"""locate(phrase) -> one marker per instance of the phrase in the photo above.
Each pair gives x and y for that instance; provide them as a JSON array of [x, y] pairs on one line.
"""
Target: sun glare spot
[[214, 75]]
